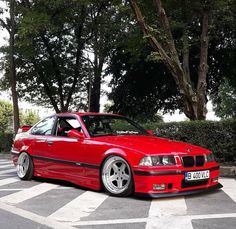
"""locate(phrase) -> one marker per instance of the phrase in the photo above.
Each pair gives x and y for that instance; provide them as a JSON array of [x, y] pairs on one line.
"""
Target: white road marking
[[174, 219], [81, 206], [161, 209], [29, 193], [7, 171], [11, 189], [168, 207], [8, 181], [6, 175], [109, 221], [229, 187], [64, 188], [6, 166], [34, 217], [213, 216], [6, 162]]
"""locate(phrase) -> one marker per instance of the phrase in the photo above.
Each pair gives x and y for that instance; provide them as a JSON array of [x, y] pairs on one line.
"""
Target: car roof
[[87, 113]]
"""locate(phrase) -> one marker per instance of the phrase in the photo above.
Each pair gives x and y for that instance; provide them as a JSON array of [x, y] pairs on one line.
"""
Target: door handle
[[50, 142]]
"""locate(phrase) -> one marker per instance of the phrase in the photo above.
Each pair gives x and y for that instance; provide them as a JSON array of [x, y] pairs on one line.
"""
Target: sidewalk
[[225, 171]]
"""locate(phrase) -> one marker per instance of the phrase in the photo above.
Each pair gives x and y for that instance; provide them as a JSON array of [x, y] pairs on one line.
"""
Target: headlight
[[210, 157], [157, 161]]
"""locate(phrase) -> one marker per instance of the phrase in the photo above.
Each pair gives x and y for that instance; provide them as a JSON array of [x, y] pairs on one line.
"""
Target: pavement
[[227, 171], [44, 203]]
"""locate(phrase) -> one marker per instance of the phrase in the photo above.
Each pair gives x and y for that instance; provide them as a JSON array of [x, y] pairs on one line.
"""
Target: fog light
[[215, 179], [159, 186]]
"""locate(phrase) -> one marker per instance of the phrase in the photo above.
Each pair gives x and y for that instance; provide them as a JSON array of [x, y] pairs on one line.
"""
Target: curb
[[225, 171], [228, 171]]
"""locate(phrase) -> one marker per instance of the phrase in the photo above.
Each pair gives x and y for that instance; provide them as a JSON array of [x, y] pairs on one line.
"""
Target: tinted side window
[[44, 127]]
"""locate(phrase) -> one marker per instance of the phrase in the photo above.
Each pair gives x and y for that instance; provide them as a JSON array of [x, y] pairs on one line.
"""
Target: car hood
[[151, 144]]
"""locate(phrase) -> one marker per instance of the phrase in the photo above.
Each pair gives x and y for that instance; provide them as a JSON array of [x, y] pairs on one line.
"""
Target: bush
[[6, 140], [220, 137]]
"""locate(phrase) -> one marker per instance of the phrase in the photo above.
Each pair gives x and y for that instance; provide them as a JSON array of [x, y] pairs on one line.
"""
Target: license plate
[[197, 175]]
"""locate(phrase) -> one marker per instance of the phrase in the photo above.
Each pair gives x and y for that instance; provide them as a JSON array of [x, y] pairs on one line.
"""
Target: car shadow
[[60, 182], [133, 196]]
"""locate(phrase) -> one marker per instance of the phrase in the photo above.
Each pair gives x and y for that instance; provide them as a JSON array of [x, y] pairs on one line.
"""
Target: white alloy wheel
[[117, 176], [24, 167]]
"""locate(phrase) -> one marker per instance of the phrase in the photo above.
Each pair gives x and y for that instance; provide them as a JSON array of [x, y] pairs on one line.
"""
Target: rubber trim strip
[[72, 163]]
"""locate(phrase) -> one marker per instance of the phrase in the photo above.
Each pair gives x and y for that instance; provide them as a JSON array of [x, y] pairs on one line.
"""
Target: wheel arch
[[115, 152]]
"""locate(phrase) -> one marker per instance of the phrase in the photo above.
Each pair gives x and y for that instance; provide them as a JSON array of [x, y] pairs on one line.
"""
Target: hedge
[[218, 136], [6, 140]]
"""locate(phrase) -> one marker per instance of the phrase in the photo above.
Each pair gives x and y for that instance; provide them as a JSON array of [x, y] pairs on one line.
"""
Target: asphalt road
[[43, 203]]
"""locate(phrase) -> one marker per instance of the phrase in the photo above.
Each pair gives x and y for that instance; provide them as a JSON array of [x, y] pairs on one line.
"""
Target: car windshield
[[103, 125]]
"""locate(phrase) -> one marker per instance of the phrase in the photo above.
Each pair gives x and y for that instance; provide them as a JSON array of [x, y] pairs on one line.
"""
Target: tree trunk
[[12, 73], [94, 104], [203, 68], [194, 99], [99, 57], [95, 89]]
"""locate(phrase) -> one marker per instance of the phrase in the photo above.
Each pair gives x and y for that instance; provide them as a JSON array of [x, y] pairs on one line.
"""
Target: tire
[[117, 177], [25, 167]]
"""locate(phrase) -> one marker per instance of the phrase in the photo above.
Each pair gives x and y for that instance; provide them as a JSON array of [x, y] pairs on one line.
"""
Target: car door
[[39, 145], [65, 152]]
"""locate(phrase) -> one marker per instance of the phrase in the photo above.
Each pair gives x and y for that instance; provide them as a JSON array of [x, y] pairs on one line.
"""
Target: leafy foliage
[[6, 115], [216, 136], [226, 101], [140, 88], [29, 118], [6, 140], [180, 37]]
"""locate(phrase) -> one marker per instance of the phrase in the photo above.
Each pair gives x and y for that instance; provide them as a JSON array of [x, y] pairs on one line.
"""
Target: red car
[[114, 153]]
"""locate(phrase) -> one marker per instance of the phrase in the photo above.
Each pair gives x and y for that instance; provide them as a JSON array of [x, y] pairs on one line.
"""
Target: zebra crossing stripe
[[229, 187], [161, 209], [168, 207], [80, 207], [6, 166], [29, 193], [34, 217], [5, 162], [12, 189], [174, 219], [7, 171], [8, 181]]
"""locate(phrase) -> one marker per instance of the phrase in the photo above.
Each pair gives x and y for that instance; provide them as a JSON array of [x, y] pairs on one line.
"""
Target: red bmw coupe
[[114, 153]]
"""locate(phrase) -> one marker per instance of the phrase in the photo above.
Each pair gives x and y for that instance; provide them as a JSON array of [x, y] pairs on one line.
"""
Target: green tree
[[173, 38], [106, 27], [50, 46], [140, 88], [53, 42], [226, 101], [6, 115], [10, 25], [222, 55], [29, 118]]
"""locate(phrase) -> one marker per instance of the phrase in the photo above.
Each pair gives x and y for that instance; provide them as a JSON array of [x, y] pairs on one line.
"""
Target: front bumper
[[180, 193], [174, 181]]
